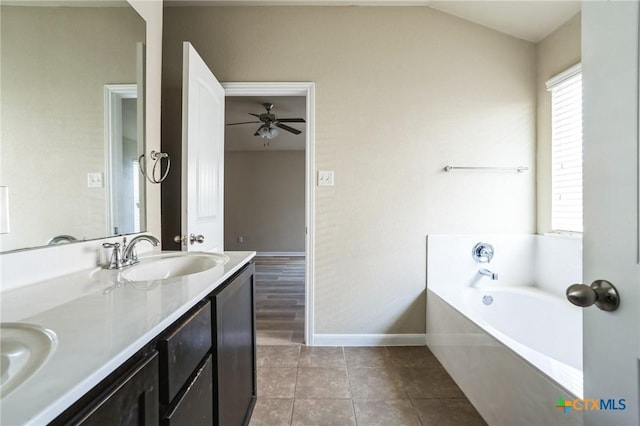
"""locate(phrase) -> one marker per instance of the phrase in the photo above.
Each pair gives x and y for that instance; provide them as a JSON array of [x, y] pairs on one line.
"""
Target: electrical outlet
[[241, 239], [325, 178]]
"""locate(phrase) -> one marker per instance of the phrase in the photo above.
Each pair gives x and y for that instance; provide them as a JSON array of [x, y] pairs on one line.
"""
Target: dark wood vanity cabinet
[[200, 371], [128, 397], [234, 343], [193, 405], [186, 380], [182, 348]]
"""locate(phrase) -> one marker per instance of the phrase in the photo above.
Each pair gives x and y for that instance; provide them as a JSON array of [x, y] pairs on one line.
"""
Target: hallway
[[280, 300]]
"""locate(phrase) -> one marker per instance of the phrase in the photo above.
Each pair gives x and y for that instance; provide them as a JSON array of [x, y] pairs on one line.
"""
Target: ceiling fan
[[267, 120]]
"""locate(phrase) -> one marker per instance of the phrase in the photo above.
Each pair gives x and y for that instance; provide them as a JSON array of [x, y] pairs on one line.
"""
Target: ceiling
[[527, 20], [530, 20], [240, 137]]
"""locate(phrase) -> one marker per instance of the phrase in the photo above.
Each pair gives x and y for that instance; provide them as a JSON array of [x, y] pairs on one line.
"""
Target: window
[[566, 150]]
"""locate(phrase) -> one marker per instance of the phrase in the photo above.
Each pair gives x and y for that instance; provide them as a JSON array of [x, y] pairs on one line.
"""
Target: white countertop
[[99, 326]]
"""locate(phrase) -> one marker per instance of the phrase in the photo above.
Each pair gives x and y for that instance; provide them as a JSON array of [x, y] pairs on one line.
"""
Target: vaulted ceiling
[[529, 20], [524, 19]]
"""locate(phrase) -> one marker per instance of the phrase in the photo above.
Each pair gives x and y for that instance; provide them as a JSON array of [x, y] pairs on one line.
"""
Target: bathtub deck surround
[[520, 323], [357, 385]]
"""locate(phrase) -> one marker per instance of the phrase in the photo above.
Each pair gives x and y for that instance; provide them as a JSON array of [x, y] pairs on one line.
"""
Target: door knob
[[600, 293], [196, 239]]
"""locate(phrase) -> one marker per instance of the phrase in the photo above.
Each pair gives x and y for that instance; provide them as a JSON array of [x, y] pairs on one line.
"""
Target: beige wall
[[557, 52], [264, 200], [400, 93]]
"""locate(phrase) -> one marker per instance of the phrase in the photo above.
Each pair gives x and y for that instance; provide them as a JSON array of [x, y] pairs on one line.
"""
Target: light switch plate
[[325, 178], [94, 180]]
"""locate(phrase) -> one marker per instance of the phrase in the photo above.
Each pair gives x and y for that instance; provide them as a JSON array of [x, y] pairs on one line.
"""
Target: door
[[202, 155], [611, 248]]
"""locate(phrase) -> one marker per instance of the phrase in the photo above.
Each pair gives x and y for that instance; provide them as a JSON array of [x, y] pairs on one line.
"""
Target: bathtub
[[510, 342], [542, 328]]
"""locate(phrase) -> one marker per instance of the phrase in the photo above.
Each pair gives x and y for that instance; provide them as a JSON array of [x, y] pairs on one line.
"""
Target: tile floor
[[365, 386], [300, 385]]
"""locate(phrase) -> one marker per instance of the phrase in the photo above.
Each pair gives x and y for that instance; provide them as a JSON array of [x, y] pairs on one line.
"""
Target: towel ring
[[157, 158]]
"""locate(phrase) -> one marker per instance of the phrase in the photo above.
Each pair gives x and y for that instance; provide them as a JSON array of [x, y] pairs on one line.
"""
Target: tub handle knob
[[482, 252], [600, 293]]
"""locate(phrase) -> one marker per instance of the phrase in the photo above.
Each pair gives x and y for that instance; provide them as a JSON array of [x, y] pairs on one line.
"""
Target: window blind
[[566, 151]]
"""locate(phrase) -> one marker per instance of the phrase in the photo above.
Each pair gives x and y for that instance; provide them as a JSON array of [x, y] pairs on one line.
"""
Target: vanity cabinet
[[130, 395], [193, 405], [182, 348], [201, 370], [234, 341]]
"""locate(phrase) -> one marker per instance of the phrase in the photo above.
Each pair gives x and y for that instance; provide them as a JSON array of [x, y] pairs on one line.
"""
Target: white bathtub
[[542, 328], [514, 333]]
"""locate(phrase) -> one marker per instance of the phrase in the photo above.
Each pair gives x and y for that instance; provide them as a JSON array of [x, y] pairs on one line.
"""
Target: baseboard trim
[[369, 339], [280, 253]]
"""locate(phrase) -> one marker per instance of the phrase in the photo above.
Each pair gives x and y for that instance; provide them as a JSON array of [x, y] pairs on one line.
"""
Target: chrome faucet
[[125, 255], [129, 255], [487, 273]]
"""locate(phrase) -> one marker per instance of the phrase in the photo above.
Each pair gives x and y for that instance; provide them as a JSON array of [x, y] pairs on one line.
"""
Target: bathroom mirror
[[72, 121]]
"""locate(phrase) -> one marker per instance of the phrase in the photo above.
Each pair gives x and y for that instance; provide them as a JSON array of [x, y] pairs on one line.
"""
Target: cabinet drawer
[[194, 405], [181, 350]]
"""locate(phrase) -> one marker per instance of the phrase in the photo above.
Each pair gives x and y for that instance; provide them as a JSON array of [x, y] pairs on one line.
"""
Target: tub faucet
[[129, 255], [488, 273]]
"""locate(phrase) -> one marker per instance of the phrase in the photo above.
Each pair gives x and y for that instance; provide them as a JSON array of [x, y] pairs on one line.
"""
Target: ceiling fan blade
[[244, 122], [291, 120], [255, 115], [288, 129]]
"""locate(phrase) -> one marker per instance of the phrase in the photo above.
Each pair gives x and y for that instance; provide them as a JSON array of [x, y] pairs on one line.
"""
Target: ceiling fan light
[[264, 132], [273, 132]]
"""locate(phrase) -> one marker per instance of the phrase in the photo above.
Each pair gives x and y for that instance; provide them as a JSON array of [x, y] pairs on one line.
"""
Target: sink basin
[[165, 266], [24, 348]]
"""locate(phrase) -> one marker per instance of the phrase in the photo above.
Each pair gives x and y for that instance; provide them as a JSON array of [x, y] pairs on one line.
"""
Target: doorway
[[123, 145], [269, 192]]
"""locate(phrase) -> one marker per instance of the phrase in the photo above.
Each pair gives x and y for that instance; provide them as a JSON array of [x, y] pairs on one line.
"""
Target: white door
[[611, 238], [202, 155]]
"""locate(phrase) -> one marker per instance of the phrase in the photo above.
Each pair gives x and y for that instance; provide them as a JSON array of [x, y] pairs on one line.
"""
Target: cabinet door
[[131, 400], [235, 350]]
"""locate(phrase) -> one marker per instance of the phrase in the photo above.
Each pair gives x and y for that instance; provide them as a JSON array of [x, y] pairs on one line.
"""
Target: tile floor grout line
[[295, 389]]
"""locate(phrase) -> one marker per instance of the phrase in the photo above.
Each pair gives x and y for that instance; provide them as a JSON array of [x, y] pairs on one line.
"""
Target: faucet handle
[[482, 252], [116, 259]]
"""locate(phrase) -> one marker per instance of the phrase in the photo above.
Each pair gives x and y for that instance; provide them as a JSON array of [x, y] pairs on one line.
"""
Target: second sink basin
[[172, 265], [24, 348]]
